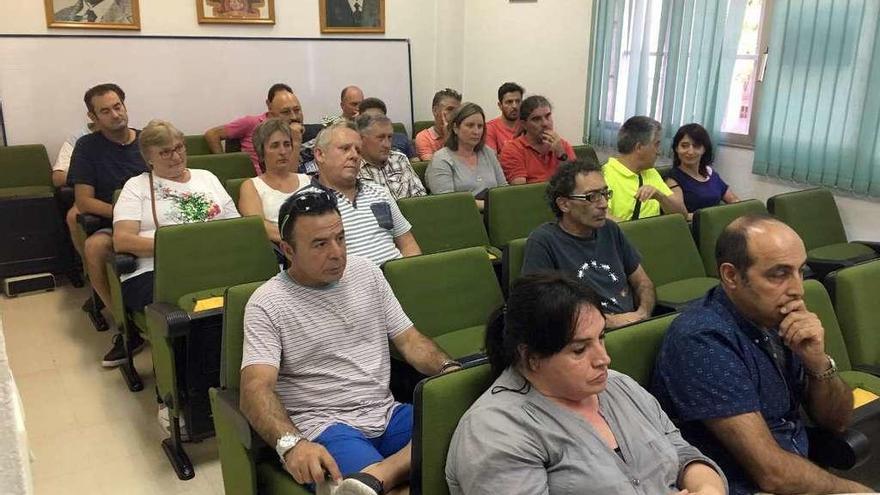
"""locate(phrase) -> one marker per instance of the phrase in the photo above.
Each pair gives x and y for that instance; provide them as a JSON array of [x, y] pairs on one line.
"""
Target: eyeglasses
[[593, 196], [180, 149], [305, 202]]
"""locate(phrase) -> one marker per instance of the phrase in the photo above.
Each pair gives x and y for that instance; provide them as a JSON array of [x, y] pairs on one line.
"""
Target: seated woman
[[692, 156], [557, 420], [465, 163], [169, 194], [278, 152]]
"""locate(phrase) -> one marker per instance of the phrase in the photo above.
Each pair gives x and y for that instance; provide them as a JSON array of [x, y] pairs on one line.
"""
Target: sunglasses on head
[[305, 202]]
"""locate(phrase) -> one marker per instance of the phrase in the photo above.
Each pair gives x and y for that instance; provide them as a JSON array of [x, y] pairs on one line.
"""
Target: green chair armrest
[[167, 320], [870, 369], [226, 404], [90, 223], [871, 244], [124, 263]]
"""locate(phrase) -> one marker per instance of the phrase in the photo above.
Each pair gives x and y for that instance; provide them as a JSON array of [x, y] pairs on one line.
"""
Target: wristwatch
[[831, 371], [285, 443]]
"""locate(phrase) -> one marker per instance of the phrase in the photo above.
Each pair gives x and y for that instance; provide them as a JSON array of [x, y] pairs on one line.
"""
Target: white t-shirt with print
[[201, 199]]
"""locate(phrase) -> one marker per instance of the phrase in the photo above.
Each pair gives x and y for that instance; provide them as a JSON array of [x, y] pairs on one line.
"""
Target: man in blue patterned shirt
[[736, 367]]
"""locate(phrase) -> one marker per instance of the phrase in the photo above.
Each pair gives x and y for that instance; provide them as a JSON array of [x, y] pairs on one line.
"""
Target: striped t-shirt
[[330, 346]]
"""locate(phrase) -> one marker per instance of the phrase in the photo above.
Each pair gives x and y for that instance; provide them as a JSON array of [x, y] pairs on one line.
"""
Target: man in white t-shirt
[[316, 361]]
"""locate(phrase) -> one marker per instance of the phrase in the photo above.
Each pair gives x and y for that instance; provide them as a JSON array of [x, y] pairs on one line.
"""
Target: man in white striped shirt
[[374, 226], [316, 362]]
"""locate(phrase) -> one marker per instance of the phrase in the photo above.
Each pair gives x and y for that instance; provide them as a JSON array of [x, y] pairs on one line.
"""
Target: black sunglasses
[[305, 202]]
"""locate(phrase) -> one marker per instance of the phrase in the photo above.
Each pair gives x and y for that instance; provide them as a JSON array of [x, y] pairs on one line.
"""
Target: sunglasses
[[305, 202]]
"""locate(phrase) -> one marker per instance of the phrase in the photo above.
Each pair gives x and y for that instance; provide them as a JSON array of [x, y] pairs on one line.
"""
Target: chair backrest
[[420, 167], [710, 222], [586, 153], [196, 145], [817, 300], [25, 165], [421, 125], [398, 127], [440, 402], [667, 248], [633, 348], [444, 292], [233, 187], [200, 256], [225, 165], [512, 261], [856, 290], [812, 213], [445, 222], [512, 212], [234, 301]]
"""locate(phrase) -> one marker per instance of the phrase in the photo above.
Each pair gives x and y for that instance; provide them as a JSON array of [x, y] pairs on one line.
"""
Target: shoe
[[116, 355], [359, 484], [165, 423], [89, 305]]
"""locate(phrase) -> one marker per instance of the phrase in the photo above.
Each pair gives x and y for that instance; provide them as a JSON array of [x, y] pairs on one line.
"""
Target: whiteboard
[[194, 82]]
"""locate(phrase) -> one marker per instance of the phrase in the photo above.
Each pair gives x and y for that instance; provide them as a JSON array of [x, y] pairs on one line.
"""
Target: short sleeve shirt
[[498, 134], [396, 176], [604, 261], [243, 128], [520, 159], [104, 164], [624, 182], [330, 346], [714, 363], [427, 143]]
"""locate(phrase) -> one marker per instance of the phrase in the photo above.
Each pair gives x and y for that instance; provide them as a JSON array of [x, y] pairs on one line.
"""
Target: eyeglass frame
[[593, 196], [166, 154]]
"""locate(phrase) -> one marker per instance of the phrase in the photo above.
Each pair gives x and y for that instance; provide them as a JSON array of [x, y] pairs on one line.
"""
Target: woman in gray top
[[557, 420], [465, 163]]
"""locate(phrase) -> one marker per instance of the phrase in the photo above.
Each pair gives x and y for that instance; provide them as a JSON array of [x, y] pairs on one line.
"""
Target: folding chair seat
[[196, 145], [233, 187], [670, 258], [512, 212], [813, 214], [420, 167], [225, 166], [512, 262], [633, 348], [440, 402], [855, 292], [708, 223], [446, 222]]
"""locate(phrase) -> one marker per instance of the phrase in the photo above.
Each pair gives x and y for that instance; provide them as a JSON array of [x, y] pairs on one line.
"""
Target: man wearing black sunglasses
[[316, 360], [585, 244]]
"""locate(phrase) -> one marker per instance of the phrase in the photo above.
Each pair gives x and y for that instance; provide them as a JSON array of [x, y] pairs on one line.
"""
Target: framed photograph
[[352, 16], [93, 14], [236, 11]]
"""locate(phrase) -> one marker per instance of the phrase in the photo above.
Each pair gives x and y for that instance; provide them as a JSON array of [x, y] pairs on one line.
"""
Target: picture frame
[[236, 11], [93, 14], [339, 16]]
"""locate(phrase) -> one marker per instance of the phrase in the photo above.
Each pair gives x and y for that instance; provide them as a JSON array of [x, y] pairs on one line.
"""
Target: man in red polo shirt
[[535, 154], [505, 127]]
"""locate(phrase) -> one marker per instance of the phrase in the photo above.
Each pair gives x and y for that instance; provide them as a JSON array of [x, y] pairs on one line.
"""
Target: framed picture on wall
[[352, 16], [236, 11], [93, 14]]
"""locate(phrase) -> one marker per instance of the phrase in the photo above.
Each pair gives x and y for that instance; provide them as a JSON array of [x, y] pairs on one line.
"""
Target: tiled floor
[[87, 432]]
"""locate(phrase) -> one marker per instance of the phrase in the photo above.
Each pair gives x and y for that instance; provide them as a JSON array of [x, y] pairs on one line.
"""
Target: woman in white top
[[278, 152], [169, 194]]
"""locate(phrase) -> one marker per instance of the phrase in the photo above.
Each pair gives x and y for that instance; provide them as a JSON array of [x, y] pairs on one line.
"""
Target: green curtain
[[819, 108], [690, 77]]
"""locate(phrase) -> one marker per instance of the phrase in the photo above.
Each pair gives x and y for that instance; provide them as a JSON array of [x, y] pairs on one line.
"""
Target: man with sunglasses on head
[[585, 244], [316, 360]]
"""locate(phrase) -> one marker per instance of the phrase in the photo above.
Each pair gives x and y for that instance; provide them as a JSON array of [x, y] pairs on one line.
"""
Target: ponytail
[[499, 357]]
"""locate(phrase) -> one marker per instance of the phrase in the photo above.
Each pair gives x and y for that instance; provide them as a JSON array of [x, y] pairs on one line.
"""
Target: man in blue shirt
[[736, 367]]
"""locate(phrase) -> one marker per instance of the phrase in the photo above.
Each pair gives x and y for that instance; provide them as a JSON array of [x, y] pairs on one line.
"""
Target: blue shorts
[[353, 451]]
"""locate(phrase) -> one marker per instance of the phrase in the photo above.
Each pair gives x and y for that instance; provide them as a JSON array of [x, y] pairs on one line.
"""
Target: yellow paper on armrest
[[492, 257], [209, 303], [862, 397]]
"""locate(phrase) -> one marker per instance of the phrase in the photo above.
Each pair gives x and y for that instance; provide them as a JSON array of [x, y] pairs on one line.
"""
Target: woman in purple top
[[700, 184]]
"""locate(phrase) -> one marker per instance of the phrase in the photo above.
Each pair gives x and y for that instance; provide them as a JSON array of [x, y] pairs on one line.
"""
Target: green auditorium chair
[[421, 125], [586, 153], [196, 262], [233, 187], [708, 223], [512, 262], [813, 214], [856, 295], [196, 145], [448, 296], [446, 222], [398, 127], [633, 348], [440, 402], [225, 166], [512, 212], [420, 167], [249, 466], [670, 258]]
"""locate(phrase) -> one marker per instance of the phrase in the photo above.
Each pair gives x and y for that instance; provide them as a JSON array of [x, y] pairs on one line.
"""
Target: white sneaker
[[165, 423], [353, 484]]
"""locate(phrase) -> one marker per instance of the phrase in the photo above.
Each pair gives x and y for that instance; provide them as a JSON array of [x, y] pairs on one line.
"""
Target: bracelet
[[828, 373], [449, 363]]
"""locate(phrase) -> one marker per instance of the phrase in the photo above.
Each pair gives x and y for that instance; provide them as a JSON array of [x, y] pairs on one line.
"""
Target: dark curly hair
[[562, 183]]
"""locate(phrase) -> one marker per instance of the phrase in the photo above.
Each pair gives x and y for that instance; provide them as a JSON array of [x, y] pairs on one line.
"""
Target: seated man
[[349, 101], [382, 166], [639, 191], [281, 103], [506, 126], [315, 368], [428, 141], [374, 226], [735, 369], [399, 141], [535, 154], [101, 163], [584, 244]]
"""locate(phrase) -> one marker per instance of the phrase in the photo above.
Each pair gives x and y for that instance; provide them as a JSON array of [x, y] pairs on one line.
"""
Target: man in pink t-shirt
[[430, 140], [536, 154], [504, 128], [281, 103]]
